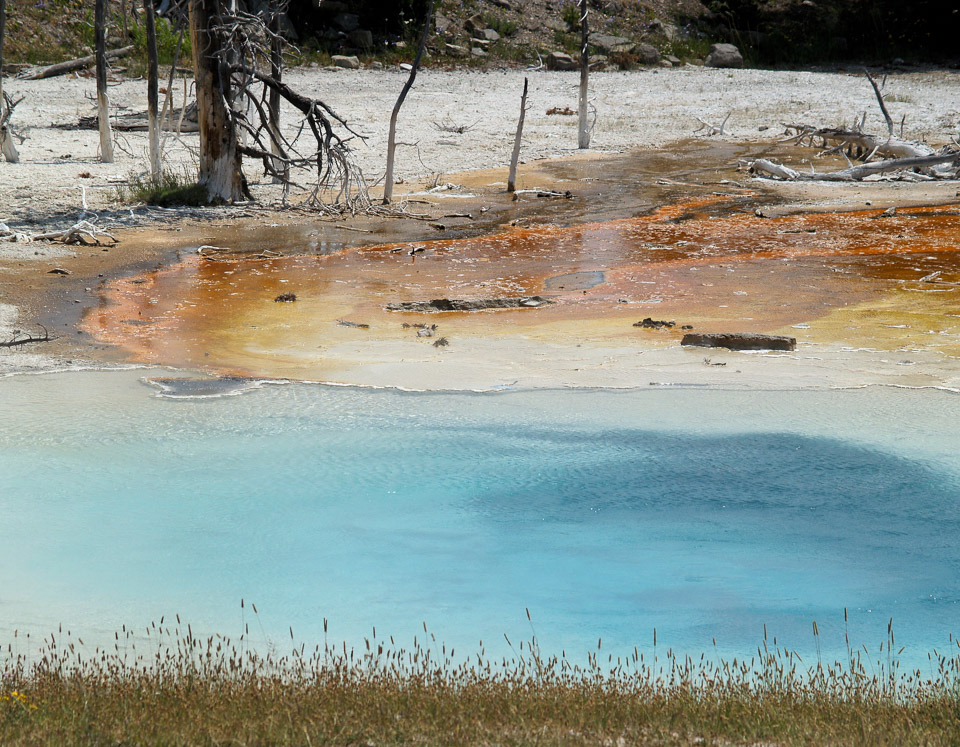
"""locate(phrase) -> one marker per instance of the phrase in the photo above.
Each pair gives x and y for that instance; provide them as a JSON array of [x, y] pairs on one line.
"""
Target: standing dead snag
[[153, 120], [220, 161], [514, 159], [392, 135], [232, 49], [583, 130], [103, 106], [3, 30], [7, 148]]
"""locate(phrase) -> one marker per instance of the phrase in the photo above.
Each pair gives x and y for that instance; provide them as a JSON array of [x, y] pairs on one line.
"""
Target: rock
[[724, 55], [505, 4], [348, 61], [361, 38], [482, 43], [666, 63], [490, 35], [478, 52], [739, 341], [561, 61], [672, 60], [376, 65], [406, 67], [474, 25], [347, 21], [447, 304], [649, 323], [455, 50], [607, 43], [647, 54]]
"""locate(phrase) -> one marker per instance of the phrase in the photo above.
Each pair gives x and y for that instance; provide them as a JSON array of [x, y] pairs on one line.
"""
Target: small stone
[[490, 35], [455, 50], [346, 61], [478, 52], [376, 65], [666, 63], [672, 59], [406, 66]]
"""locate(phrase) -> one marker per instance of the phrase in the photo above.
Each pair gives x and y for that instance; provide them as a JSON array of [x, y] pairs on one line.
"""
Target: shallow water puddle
[[862, 278]]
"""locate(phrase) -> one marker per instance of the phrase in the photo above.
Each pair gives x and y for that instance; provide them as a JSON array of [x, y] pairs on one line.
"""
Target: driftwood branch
[[763, 167], [62, 68], [16, 339]]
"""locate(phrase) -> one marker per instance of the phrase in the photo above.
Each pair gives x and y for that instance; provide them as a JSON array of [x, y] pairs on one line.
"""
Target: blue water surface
[[705, 514]]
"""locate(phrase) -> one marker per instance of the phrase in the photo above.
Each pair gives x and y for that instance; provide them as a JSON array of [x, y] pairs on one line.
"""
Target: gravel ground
[[60, 168]]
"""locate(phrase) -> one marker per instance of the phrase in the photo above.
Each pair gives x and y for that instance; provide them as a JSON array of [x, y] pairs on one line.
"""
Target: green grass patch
[[170, 190]]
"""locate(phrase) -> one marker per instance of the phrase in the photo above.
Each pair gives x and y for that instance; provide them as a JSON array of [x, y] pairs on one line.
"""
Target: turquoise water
[[704, 513]]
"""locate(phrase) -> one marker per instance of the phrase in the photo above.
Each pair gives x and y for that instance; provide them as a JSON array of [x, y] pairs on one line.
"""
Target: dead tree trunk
[[515, 158], [392, 135], [7, 148], [273, 98], [153, 120], [583, 130], [3, 30], [103, 108], [220, 160]]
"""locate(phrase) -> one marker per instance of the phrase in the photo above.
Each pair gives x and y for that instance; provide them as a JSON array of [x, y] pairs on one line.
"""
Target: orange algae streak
[[727, 271]]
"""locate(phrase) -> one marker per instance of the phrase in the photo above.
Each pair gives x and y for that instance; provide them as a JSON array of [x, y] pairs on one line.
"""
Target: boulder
[[647, 54], [347, 21], [474, 25], [361, 38], [724, 55], [606, 43], [739, 341], [561, 61], [348, 61]]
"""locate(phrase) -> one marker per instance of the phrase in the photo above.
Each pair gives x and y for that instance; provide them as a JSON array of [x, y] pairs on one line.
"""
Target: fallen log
[[482, 304], [854, 173], [62, 68], [739, 341]]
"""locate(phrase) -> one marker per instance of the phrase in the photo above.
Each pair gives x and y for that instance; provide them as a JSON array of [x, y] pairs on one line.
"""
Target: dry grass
[[168, 687]]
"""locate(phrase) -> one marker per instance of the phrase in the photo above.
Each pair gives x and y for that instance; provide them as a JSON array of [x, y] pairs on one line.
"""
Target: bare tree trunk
[[273, 99], [220, 160], [512, 178], [153, 121], [7, 148], [103, 107], [583, 130], [3, 31], [168, 98], [392, 136]]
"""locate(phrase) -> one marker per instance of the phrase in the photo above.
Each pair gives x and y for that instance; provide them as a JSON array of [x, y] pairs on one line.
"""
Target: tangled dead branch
[[889, 155], [251, 58], [7, 133], [82, 232]]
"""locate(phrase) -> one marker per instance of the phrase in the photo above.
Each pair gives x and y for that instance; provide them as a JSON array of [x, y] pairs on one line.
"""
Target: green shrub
[[171, 190]]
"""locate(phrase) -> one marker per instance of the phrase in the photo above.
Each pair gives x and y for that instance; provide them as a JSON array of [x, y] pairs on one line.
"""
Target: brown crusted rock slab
[[482, 304], [739, 341]]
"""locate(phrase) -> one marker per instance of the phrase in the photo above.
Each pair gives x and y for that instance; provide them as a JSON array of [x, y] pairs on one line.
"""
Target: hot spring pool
[[703, 513]]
